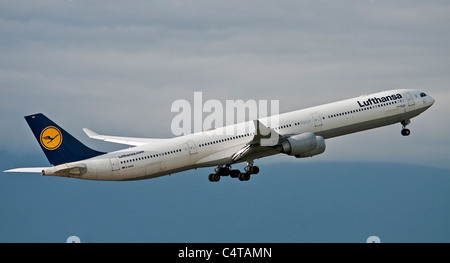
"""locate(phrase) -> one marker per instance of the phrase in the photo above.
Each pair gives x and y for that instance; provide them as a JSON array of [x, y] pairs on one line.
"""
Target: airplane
[[300, 133]]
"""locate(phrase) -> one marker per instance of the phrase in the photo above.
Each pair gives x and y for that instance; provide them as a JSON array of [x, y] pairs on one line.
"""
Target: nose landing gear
[[405, 131]]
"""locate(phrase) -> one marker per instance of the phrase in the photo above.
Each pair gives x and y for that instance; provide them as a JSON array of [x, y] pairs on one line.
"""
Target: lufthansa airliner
[[300, 134]]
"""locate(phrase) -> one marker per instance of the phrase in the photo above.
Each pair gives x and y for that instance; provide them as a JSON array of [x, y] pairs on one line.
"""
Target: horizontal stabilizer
[[26, 170], [121, 140]]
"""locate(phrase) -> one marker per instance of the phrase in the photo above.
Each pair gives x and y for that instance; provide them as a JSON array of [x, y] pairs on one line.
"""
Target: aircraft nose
[[432, 100]]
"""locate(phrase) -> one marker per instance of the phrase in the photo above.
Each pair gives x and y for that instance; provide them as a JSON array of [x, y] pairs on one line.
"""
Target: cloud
[[117, 66]]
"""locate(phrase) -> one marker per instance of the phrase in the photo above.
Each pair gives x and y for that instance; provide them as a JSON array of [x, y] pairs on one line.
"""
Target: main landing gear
[[405, 131], [235, 173]]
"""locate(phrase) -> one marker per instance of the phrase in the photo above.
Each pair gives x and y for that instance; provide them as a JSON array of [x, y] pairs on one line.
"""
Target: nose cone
[[428, 101], [431, 100]]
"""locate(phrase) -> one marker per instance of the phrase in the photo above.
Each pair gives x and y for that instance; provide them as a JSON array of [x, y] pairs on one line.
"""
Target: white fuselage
[[215, 147]]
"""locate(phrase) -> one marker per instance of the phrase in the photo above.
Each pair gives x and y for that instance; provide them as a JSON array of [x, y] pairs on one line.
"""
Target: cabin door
[[410, 99], [114, 164], [192, 148], [317, 119]]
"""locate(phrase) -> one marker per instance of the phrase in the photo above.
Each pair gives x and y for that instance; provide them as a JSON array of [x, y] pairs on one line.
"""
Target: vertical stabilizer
[[58, 145]]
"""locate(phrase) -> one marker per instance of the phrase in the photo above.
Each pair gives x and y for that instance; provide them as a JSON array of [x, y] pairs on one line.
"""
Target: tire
[[241, 176], [216, 177], [406, 132], [234, 173], [246, 176], [254, 170], [210, 177]]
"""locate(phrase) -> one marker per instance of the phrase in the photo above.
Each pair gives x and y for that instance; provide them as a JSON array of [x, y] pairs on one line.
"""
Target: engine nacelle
[[320, 148], [304, 145]]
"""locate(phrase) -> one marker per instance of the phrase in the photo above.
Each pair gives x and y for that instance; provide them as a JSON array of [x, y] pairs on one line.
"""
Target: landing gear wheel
[[251, 169], [226, 171], [406, 132], [244, 176], [254, 170], [234, 173], [222, 171], [214, 177]]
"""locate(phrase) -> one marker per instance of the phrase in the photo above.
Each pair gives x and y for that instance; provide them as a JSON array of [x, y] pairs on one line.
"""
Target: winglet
[[90, 133], [265, 136]]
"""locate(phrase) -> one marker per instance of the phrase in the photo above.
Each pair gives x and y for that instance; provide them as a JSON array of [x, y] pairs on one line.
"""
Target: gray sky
[[117, 66]]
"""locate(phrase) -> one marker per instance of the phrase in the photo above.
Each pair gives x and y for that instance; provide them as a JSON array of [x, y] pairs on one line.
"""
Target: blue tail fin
[[58, 145]]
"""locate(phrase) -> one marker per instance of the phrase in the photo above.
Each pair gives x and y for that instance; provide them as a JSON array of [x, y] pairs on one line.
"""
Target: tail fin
[[58, 145]]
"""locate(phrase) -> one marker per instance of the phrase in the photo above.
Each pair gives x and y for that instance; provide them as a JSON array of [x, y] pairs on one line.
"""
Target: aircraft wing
[[264, 138], [121, 140]]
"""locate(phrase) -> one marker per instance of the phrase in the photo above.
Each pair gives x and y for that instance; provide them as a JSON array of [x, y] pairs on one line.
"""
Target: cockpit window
[[423, 94]]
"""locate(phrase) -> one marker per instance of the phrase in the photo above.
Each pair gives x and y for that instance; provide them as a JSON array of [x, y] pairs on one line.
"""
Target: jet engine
[[303, 145]]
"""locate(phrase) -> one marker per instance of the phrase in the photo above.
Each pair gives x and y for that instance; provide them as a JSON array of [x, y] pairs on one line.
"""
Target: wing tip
[[90, 133]]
